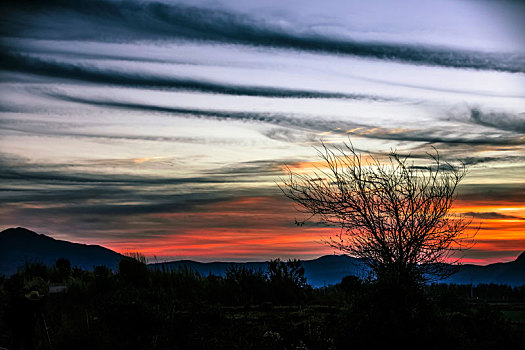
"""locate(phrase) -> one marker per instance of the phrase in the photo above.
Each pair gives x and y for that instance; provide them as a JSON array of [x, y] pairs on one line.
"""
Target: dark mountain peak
[[22, 235], [20, 245], [332, 257], [18, 231], [521, 258]]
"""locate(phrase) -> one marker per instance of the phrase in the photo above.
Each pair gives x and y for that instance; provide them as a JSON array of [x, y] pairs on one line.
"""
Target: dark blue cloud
[[69, 189], [27, 64], [131, 20], [279, 119], [502, 121]]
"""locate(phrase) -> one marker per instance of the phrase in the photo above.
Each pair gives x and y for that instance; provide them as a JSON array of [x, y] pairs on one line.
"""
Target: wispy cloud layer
[[502, 121], [122, 20], [26, 64]]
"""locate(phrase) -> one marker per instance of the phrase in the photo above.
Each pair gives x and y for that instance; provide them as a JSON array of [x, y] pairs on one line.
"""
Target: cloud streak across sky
[[165, 125], [157, 19]]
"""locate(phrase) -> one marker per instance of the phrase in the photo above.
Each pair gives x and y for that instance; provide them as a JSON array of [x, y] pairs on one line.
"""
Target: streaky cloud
[[28, 64], [502, 121], [500, 159], [439, 136], [493, 193], [49, 131], [307, 123], [493, 216], [32, 173], [60, 189], [127, 20], [310, 123]]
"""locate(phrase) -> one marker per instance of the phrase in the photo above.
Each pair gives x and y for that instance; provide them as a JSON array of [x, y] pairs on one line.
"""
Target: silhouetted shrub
[[249, 285], [287, 280], [103, 278], [35, 269], [63, 269], [133, 272], [351, 284]]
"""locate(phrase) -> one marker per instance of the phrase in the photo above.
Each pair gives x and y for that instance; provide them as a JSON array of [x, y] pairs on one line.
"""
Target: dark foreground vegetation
[[140, 308]]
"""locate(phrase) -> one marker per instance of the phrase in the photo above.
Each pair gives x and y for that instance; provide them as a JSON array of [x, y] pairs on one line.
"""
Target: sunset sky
[[164, 126]]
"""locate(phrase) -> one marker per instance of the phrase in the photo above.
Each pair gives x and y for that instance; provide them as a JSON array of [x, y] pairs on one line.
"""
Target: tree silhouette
[[287, 280], [394, 215], [289, 272]]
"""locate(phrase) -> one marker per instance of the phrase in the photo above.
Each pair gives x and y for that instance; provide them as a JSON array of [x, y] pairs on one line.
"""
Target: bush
[[133, 272], [287, 280]]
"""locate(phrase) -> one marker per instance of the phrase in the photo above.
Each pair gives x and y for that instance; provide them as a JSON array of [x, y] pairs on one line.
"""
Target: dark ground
[[137, 308]]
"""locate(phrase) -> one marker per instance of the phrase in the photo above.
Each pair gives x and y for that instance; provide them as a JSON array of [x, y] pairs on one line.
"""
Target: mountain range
[[20, 245], [323, 271]]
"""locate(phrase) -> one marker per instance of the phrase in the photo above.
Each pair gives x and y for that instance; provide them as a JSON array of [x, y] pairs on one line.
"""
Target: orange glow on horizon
[[257, 228]]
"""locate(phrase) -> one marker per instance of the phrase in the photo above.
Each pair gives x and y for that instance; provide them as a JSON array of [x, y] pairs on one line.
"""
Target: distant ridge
[[323, 271], [20, 245], [330, 269], [511, 273]]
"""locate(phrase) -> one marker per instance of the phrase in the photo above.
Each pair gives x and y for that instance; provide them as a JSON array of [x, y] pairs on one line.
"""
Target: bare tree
[[392, 214]]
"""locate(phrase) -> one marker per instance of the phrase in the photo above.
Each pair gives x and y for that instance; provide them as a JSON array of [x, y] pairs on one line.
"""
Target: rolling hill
[[20, 245], [511, 273], [323, 271]]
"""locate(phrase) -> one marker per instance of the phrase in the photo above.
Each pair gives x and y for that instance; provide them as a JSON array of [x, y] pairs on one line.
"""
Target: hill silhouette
[[330, 269], [511, 273], [323, 271], [20, 245]]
